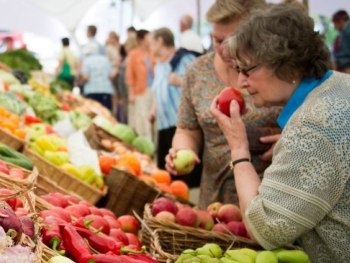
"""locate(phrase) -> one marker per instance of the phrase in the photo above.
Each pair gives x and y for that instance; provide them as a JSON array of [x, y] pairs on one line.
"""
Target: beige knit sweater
[[305, 193]]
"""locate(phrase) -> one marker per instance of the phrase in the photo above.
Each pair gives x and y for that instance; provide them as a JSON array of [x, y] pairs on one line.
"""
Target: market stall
[[76, 183]]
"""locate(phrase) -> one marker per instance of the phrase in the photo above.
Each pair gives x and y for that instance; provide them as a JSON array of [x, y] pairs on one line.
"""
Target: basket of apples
[[169, 227]]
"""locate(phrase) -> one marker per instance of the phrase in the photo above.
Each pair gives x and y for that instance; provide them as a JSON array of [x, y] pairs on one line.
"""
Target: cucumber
[[9, 155], [26, 164]]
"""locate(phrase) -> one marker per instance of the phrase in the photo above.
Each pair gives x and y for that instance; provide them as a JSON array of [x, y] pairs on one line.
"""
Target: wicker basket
[[28, 198], [47, 253], [28, 182], [95, 134], [11, 140], [45, 186], [127, 194], [64, 179], [167, 240]]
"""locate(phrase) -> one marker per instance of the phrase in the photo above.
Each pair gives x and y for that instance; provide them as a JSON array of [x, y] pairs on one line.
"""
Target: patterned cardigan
[[305, 193]]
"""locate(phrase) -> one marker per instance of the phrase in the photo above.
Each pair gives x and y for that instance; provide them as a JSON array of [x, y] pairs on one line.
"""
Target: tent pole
[[198, 3]]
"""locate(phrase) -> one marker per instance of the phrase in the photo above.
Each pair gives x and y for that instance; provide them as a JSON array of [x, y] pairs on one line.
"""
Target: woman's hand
[[233, 129], [267, 156], [169, 161]]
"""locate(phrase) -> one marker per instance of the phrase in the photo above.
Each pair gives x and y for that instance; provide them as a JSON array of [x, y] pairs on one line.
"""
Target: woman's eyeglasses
[[245, 71]]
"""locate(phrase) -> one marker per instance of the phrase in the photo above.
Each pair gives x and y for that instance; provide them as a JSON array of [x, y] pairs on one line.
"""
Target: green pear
[[184, 161], [266, 256], [249, 252], [292, 256], [186, 254], [237, 255], [210, 249], [227, 260]]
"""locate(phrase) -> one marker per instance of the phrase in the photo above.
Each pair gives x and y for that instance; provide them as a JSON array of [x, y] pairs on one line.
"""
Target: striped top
[[168, 96]]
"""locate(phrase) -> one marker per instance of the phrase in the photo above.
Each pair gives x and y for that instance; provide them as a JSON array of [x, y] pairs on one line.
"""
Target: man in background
[[341, 23], [189, 39]]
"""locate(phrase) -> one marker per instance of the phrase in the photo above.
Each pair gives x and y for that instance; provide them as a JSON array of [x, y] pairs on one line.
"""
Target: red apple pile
[[223, 218], [12, 171], [68, 209]]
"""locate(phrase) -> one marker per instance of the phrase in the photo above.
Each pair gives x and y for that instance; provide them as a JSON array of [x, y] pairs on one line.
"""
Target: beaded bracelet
[[233, 163]]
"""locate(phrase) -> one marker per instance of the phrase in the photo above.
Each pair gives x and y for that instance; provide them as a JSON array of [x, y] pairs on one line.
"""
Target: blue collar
[[302, 91]]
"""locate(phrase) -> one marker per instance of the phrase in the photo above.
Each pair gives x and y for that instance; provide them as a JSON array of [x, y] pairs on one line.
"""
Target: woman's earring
[[294, 82]]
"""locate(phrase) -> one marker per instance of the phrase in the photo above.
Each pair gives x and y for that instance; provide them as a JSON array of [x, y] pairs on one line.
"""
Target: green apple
[[184, 161]]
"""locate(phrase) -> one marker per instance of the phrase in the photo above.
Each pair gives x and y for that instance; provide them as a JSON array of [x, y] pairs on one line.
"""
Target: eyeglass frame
[[245, 71]]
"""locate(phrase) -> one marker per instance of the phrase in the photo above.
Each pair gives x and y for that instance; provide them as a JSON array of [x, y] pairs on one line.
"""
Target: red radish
[[4, 168], [17, 173], [27, 226]]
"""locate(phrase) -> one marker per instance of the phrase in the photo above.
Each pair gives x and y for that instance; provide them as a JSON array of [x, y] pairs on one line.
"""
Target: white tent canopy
[[53, 19], [48, 17]]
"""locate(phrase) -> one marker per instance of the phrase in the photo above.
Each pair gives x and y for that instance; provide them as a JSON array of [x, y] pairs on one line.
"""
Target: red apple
[[213, 209], [112, 221], [226, 96], [229, 212], [163, 204], [186, 216], [119, 235], [134, 241], [221, 228], [129, 224], [237, 228], [98, 222], [165, 216], [206, 221]]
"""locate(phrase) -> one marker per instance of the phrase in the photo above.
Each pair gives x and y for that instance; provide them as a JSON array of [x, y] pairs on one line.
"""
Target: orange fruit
[[164, 187], [130, 160], [161, 176], [180, 189], [20, 133]]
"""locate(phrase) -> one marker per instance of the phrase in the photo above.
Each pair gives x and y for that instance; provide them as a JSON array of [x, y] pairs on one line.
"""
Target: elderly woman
[[305, 193]]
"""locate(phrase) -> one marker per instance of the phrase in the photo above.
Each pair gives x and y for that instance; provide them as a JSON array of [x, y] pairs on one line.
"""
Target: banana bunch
[[39, 87]]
